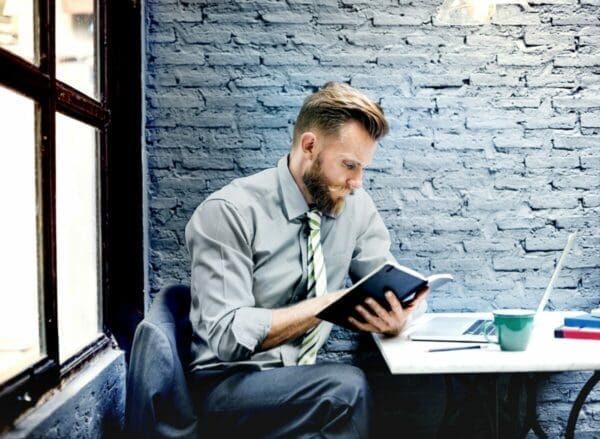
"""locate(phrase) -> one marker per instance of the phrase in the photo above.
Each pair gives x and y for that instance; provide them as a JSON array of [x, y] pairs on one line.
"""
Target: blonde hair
[[335, 104]]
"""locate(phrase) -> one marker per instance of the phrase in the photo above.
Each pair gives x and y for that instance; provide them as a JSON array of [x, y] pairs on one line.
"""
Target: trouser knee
[[341, 384], [350, 385], [347, 400]]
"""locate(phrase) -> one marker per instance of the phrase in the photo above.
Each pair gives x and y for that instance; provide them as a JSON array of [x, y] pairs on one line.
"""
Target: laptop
[[471, 329]]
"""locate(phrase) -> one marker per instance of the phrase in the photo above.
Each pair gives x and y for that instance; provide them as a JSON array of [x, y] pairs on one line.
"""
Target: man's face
[[338, 167]]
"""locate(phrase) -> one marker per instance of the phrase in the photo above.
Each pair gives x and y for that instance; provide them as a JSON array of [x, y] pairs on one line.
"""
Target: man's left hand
[[378, 319]]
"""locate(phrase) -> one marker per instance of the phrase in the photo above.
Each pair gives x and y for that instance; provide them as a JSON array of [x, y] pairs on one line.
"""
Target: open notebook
[[470, 329]]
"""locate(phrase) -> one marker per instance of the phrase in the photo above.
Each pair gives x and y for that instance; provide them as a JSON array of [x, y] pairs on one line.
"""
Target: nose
[[356, 181]]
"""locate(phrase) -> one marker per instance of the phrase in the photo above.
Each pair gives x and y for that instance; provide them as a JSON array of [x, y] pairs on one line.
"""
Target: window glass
[[16, 27], [76, 45], [77, 235], [19, 305]]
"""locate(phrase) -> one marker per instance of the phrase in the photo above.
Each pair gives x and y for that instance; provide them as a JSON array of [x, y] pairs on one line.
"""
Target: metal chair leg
[[578, 404]]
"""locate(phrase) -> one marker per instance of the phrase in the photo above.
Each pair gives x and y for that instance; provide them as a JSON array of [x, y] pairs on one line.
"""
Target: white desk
[[545, 353]]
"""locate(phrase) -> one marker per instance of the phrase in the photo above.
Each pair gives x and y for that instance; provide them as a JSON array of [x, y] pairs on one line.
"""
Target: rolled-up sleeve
[[224, 311]]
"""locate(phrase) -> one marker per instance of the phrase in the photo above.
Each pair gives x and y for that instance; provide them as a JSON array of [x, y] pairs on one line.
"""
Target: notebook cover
[[579, 333], [583, 321], [387, 277]]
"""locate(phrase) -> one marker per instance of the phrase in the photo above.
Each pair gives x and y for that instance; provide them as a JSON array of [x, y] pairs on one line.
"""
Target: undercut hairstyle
[[335, 104]]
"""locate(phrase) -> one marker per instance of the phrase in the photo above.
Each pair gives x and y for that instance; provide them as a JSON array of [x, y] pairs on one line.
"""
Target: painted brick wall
[[493, 156]]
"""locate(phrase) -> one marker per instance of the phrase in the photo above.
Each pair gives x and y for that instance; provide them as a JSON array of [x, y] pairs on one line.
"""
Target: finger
[[370, 328], [389, 322], [376, 307], [369, 317], [366, 315], [423, 291], [391, 318], [395, 304], [420, 297], [400, 312], [360, 325]]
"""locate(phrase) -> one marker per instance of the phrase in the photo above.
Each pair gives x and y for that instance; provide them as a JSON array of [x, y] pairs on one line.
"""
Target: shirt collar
[[294, 204]]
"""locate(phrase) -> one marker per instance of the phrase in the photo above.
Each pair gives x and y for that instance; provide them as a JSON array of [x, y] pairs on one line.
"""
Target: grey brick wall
[[492, 159]]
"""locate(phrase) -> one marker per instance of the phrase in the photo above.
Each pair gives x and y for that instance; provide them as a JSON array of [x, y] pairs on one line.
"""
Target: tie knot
[[314, 219]]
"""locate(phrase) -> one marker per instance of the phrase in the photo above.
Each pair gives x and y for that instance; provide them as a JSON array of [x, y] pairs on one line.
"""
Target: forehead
[[352, 142]]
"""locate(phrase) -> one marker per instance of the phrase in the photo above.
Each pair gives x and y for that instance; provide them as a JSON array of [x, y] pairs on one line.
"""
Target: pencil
[[461, 348]]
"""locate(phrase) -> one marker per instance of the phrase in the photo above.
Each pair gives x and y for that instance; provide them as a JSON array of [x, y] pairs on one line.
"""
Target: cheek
[[336, 178]]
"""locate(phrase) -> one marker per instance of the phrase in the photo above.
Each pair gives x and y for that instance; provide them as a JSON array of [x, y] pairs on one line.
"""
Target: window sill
[[90, 403]]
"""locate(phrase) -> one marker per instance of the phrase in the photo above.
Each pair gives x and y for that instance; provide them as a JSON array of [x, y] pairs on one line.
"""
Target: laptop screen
[[559, 265]]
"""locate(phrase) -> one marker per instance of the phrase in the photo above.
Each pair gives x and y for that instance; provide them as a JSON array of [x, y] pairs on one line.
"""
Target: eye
[[349, 165]]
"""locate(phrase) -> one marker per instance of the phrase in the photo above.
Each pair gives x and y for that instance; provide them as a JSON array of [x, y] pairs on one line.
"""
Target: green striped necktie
[[316, 286]]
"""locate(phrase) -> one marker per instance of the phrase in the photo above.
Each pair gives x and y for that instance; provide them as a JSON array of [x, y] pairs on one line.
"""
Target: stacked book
[[583, 326]]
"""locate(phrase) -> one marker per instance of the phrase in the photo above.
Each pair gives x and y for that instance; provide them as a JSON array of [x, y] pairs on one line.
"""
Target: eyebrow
[[358, 162]]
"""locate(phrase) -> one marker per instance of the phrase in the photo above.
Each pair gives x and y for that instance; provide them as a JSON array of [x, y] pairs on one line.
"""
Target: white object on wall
[[472, 12]]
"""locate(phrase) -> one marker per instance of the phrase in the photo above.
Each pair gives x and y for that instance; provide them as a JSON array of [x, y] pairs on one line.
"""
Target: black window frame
[[117, 117]]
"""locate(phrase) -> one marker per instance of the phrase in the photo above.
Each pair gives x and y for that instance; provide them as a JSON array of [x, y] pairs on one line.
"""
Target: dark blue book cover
[[402, 281], [583, 321]]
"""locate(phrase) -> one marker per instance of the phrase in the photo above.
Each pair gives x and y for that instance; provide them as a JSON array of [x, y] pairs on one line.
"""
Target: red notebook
[[581, 333]]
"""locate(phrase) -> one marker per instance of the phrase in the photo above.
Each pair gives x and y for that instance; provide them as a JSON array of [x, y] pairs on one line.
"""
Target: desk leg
[[531, 419], [449, 411], [578, 404], [510, 408], [518, 410], [468, 398]]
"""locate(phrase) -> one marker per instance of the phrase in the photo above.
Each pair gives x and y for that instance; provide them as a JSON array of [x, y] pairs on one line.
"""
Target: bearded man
[[269, 251]]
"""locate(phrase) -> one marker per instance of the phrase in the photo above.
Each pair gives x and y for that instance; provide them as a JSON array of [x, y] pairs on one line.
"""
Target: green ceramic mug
[[513, 328]]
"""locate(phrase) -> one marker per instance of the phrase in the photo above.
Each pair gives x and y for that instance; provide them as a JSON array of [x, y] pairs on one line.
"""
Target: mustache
[[343, 189]]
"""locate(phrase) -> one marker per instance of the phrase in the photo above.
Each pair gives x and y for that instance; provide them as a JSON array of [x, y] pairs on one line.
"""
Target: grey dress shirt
[[248, 247]]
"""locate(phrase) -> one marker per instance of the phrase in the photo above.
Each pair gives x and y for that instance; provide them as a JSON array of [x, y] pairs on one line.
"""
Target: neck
[[297, 169]]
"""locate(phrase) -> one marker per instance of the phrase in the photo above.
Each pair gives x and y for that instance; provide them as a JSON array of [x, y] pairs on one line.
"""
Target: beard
[[321, 192]]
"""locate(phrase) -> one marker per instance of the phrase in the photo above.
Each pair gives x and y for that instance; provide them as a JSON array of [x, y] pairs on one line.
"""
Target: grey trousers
[[322, 400]]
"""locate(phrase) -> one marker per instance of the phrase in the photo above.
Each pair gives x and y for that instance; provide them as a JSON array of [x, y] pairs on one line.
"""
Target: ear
[[308, 145]]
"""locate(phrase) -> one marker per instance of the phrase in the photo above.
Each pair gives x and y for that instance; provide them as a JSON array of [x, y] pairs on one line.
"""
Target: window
[[77, 235], [65, 116], [19, 307]]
